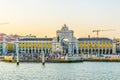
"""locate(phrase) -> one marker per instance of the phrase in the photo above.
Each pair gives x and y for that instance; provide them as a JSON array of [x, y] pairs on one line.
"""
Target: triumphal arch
[[65, 42]]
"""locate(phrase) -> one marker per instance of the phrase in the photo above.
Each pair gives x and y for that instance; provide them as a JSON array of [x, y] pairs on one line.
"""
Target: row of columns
[[99, 51], [34, 50], [72, 48]]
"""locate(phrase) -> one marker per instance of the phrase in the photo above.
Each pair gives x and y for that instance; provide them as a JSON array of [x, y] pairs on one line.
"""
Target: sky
[[45, 17]]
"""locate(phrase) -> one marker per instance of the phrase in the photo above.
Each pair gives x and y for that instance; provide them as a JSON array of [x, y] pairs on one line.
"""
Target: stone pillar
[[21, 50], [88, 52], [85, 50], [31, 50], [73, 49], [4, 46], [109, 51], [102, 51], [38, 50], [34, 50], [41, 50], [81, 51], [98, 51], [45, 51], [91, 51], [25, 50], [28, 50], [77, 48], [114, 47], [17, 48], [69, 49]]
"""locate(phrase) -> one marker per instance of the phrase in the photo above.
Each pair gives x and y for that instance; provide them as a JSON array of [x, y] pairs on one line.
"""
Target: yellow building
[[95, 45], [35, 45]]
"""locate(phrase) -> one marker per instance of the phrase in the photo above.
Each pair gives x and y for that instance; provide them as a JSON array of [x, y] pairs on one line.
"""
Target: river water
[[60, 71]]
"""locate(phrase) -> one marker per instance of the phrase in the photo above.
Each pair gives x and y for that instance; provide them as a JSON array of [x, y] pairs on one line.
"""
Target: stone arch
[[65, 33]]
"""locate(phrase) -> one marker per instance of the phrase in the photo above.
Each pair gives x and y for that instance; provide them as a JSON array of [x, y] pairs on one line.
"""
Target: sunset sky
[[44, 17]]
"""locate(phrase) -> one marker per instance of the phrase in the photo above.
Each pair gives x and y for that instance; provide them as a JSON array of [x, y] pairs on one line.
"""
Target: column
[[31, 50], [114, 47], [34, 50], [91, 52], [28, 50], [88, 52], [41, 47], [4, 46], [109, 51], [21, 49], [41, 50], [102, 51], [81, 51], [38, 50], [45, 51], [25, 50], [98, 51], [77, 48], [69, 49], [85, 51], [73, 49]]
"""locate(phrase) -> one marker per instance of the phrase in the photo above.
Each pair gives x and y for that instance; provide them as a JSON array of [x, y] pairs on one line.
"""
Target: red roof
[[1, 38], [2, 34], [15, 35], [10, 39]]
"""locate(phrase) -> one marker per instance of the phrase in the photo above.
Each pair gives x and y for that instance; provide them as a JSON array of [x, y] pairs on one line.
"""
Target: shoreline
[[102, 59], [90, 59], [47, 61], [70, 61]]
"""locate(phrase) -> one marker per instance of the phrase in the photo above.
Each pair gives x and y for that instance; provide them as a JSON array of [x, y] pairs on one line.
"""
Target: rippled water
[[60, 71]]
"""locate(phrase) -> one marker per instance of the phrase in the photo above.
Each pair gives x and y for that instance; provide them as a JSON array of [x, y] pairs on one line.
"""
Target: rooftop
[[94, 39], [36, 39]]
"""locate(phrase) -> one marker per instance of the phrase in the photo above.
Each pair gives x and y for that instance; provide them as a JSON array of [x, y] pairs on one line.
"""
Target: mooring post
[[17, 51], [43, 58]]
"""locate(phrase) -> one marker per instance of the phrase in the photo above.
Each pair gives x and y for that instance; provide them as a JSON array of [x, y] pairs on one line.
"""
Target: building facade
[[64, 42], [96, 46]]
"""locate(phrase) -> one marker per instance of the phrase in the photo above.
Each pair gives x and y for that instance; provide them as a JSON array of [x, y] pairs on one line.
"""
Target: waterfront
[[60, 71]]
